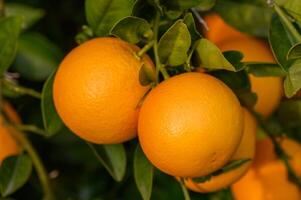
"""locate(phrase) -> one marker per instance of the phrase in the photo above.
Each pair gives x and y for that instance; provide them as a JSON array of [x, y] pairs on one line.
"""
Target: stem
[[21, 89], [184, 189], [145, 48], [40, 169], [30, 128], [287, 23], [159, 66]]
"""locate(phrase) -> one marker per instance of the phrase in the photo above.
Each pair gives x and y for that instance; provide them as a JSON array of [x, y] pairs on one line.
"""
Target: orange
[[190, 125], [268, 179], [8, 146], [246, 149], [96, 90], [219, 31], [269, 182], [268, 89]]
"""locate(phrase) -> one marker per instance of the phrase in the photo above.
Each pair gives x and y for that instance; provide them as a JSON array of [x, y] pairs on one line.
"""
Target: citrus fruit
[[96, 90], [268, 89], [269, 182], [218, 31], [245, 150], [190, 125], [8, 146], [267, 179]]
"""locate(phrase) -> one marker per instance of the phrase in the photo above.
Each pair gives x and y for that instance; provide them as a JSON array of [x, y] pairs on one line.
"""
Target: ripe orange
[[268, 179], [268, 89], [96, 90], [246, 149], [8, 146], [190, 125], [219, 31]]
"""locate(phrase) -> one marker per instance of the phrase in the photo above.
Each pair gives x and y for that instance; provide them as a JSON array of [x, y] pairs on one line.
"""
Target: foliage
[[34, 36]]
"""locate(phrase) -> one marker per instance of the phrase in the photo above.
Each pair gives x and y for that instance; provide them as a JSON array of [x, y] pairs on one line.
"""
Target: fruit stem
[[40, 169], [159, 66], [287, 23], [145, 48], [184, 189], [30, 128], [20, 89]]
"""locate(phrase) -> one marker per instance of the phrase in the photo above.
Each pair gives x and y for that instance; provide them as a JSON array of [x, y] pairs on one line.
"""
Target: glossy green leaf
[[294, 52], [280, 49], [246, 17], [211, 57], [264, 69], [36, 57], [112, 157], [292, 82], [51, 120], [189, 21], [235, 57], [103, 14], [144, 10], [292, 7], [174, 44], [10, 28], [132, 29], [14, 173], [29, 14], [143, 173]]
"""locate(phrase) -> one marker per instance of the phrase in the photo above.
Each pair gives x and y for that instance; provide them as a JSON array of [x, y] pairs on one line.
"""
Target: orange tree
[[153, 99]]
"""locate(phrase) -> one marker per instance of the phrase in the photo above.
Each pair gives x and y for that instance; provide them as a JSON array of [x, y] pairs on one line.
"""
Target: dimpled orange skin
[[267, 179], [8, 146], [245, 150], [219, 31], [190, 125], [268, 89], [96, 90]]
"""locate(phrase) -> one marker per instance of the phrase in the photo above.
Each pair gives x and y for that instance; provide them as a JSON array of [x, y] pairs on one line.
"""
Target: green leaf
[[292, 82], [29, 14], [280, 49], [205, 5], [144, 10], [103, 14], [14, 173], [112, 157], [247, 98], [143, 173], [181, 4], [264, 69], [246, 17], [37, 57], [51, 120], [202, 179], [132, 30], [189, 21], [294, 52], [235, 57], [292, 7], [146, 75], [10, 28], [211, 56], [174, 44]]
